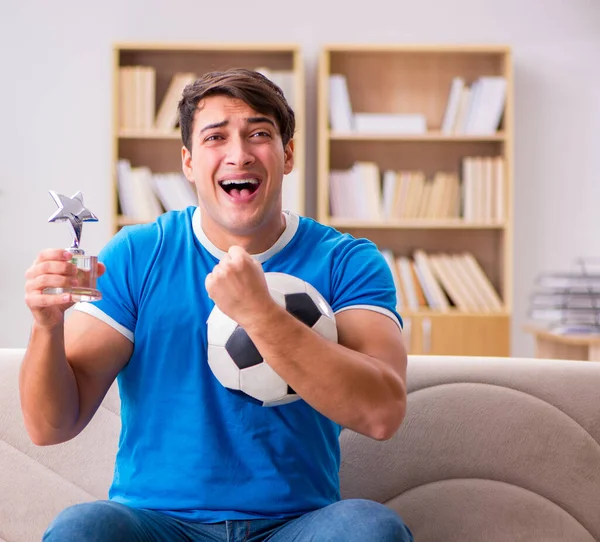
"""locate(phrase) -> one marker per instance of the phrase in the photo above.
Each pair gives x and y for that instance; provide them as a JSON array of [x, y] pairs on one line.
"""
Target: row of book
[[364, 193], [474, 109], [137, 100], [442, 282], [144, 195], [138, 111]]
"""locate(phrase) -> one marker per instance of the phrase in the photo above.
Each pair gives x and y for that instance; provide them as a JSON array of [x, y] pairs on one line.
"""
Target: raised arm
[[358, 382], [68, 366]]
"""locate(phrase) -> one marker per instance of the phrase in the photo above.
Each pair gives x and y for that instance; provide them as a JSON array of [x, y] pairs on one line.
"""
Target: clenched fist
[[238, 286]]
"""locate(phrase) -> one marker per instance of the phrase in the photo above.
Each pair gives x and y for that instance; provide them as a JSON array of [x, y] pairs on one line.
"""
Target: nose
[[239, 153]]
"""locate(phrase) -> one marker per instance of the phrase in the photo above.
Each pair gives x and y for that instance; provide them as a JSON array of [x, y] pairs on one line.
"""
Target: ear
[[186, 164], [288, 157]]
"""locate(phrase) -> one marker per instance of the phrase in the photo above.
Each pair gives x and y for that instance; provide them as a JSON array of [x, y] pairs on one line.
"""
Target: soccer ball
[[235, 360]]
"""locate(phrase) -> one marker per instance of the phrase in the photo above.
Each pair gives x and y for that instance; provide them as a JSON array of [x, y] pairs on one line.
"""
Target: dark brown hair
[[259, 92]]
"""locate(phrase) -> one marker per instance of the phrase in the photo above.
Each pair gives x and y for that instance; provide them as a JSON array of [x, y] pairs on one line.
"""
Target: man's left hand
[[238, 287]]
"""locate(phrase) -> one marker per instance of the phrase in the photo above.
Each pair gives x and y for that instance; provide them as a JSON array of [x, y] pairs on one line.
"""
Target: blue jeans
[[352, 520]]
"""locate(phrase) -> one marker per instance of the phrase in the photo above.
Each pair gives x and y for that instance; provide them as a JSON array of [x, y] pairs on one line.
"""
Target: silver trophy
[[74, 212]]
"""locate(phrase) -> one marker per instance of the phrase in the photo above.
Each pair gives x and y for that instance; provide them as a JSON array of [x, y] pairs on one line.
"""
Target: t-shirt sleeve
[[118, 306], [362, 279]]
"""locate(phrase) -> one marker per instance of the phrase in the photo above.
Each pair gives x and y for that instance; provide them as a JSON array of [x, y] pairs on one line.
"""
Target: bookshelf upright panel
[[415, 153], [148, 80]]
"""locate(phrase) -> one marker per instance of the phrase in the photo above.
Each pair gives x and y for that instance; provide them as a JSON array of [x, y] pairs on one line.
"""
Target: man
[[196, 461]]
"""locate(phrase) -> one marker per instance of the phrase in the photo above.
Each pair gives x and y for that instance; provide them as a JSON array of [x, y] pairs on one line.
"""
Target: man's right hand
[[51, 269]]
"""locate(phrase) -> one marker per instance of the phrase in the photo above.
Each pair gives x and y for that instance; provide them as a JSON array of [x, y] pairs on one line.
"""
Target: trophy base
[[77, 294], [87, 273]]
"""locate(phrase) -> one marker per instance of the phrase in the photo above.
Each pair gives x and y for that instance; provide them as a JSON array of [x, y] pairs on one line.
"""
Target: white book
[[452, 106], [368, 177], [147, 206], [390, 123], [406, 277], [284, 79], [390, 181], [489, 106], [390, 260], [340, 108], [125, 188], [167, 115], [164, 191], [437, 295]]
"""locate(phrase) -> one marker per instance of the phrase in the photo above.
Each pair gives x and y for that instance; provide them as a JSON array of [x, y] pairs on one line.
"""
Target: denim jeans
[[352, 520]]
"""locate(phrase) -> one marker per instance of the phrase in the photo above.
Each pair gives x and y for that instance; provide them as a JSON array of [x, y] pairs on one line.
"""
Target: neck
[[254, 241]]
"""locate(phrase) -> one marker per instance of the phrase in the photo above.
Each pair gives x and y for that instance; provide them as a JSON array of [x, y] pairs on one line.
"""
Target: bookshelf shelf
[[431, 198], [148, 79], [453, 313], [429, 136], [417, 224], [149, 135]]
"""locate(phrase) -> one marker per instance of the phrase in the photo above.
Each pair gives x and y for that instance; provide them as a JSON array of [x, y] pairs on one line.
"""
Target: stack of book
[[568, 302]]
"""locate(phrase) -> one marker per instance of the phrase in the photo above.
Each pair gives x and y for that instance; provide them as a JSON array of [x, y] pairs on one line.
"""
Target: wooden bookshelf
[[416, 79], [160, 150]]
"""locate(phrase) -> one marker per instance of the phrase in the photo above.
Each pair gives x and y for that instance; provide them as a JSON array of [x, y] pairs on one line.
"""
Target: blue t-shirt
[[188, 446]]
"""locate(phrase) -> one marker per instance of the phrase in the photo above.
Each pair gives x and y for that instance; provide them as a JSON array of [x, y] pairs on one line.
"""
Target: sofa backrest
[[491, 449]]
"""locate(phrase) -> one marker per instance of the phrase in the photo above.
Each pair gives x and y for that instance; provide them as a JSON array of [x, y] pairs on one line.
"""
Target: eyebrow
[[250, 120]]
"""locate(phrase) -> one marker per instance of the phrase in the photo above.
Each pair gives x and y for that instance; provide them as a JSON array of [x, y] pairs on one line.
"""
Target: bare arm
[[68, 366], [358, 383]]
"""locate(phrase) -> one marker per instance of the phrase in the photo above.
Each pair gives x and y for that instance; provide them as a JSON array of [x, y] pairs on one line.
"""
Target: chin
[[243, 225]]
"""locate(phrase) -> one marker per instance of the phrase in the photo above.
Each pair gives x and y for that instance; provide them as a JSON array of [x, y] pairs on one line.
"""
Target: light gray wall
[[55, 107]]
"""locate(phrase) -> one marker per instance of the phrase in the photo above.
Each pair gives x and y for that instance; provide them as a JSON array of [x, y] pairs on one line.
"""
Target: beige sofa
[[491, 450]]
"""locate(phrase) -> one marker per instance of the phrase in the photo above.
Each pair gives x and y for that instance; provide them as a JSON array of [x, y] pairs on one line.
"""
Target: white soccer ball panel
[[326, 328], [278, 297], [262, 383], [223, 367], [291, 398], [319, 300], [284, 283], [219, 327]]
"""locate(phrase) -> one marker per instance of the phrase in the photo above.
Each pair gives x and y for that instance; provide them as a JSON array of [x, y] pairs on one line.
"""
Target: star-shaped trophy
[[73, 211]]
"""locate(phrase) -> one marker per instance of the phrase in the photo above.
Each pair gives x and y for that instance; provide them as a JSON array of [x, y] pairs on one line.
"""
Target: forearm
[[48, 388], [353, 389]]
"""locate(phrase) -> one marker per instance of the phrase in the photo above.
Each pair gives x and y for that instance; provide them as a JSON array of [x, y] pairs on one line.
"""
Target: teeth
[[238, 181]]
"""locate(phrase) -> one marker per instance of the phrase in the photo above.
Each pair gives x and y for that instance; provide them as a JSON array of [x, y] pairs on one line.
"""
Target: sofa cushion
[[36, 483], [491, 449]]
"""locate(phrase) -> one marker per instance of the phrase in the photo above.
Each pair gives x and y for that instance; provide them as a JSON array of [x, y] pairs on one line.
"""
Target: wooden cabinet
[[415, 81], [143, 73], [457, 334]]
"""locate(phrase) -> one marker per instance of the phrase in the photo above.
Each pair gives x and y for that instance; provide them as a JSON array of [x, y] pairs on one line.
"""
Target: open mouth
[[240, 188]]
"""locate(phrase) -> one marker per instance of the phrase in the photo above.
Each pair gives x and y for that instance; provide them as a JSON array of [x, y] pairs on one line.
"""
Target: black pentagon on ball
[[241, 349], [303, 307]]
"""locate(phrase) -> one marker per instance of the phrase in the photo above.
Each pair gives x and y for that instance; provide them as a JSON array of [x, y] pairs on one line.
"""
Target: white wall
[[55, 109]]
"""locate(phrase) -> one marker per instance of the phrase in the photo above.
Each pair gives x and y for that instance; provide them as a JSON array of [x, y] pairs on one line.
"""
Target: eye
[[213, 137], [261, 133]]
